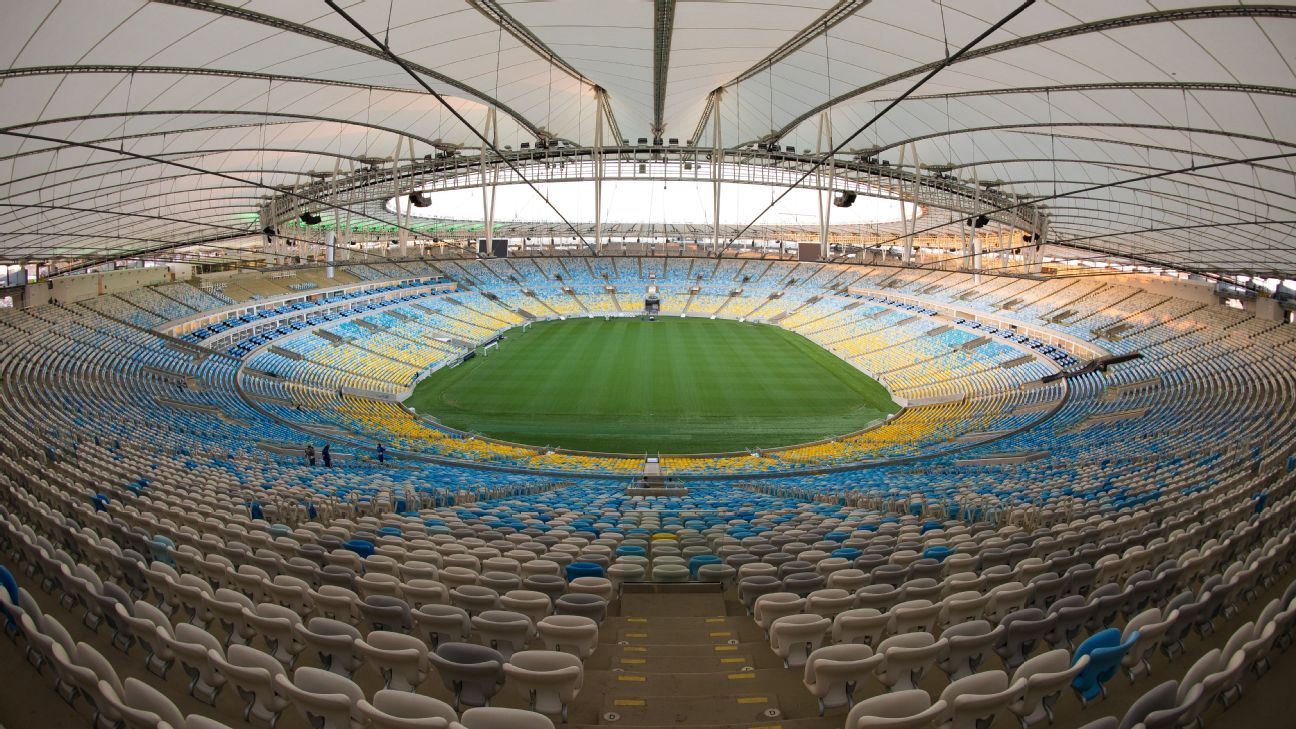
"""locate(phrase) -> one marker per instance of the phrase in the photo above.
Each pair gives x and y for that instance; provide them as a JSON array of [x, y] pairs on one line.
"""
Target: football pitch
[[669, 386]]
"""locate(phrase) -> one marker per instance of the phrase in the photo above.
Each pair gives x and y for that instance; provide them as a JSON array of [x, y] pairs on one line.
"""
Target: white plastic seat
[[908, 659], [227, 607], [145, 622], [405, 710], [830, 602], [505, 631], [325, 700], [861, 625], [833, 673], [401, 659], [1151, 629], [141, 706], [437, 624], [550, 679], [275, 625], [252, 673], [337, 603], [572, 634], [534, 605], [775, 605], [967, 646], [334, 642], [911, 709], [794, 637], [419, 592], [976, 700], [191, 646], [502, 718], [914, 616], [1047, 676]]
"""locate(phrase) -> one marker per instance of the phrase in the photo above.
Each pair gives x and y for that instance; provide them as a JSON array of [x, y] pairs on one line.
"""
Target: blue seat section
[[1105, 651], [583, 569]]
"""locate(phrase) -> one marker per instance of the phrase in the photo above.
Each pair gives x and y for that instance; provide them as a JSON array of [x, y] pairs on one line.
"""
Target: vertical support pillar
[[330, 245], [489, 181], [717, 162], [824, 195], [912, 224], [599, 120]]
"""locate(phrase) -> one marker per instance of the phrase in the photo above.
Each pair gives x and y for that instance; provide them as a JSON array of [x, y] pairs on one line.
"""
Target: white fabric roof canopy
[[1069, 94]]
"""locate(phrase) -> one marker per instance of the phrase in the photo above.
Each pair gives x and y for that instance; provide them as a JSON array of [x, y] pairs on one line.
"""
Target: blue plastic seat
[[1105, 651], [938, 553], [631, 550], [10, 586], [583, 569], [695, 563], [362, 547]]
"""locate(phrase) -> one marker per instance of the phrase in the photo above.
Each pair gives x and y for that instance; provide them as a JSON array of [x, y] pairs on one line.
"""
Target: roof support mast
[[717, 159], [663, 28], [489, 181], [823, 142], [600, 118]]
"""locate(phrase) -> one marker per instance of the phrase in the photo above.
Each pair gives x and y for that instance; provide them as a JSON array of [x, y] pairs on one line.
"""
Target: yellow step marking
[[634, 649], [636, 620], [732, 660], [753, 699], [715, 620], [636, 635], [726, 647], [634, 661], [629, 702], [637, 679], [723, 634], [740, 676]]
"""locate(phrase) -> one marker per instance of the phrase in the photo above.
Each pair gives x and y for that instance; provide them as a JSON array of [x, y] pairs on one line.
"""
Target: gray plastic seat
[[1025, 629], [583, 604], [384, 612], [473, 673]]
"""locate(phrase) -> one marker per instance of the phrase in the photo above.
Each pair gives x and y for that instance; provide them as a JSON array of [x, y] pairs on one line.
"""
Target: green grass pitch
[[669, 386]]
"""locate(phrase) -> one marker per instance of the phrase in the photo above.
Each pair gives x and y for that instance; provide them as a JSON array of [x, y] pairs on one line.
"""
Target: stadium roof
[[128, 126]]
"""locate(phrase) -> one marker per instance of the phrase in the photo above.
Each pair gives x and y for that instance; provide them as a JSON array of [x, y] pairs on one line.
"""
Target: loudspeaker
[[844, 199], [310, 218]]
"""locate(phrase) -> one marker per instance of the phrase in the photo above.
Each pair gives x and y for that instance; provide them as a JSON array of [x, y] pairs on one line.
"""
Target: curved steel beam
[[208, 112], [287, 26], [1115, 86], [124, 153], [522, 34], [1099, 26], [1087, 125], [821, 25], [663, 29], [187, 71]]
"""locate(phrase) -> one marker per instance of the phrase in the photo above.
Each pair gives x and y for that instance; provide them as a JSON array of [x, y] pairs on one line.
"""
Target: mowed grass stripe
[[671, 386]]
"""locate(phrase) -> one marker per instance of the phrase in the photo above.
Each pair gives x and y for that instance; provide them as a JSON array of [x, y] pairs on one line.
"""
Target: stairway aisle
[[692, 659]]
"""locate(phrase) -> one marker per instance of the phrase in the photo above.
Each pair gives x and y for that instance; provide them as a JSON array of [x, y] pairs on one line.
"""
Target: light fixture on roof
[[419, 200], [844, 199], [310, 218]]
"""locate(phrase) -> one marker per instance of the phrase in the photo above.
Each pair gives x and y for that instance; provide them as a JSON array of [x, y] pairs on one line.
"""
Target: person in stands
[[382, 453], [310, 454], [328, 456]]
